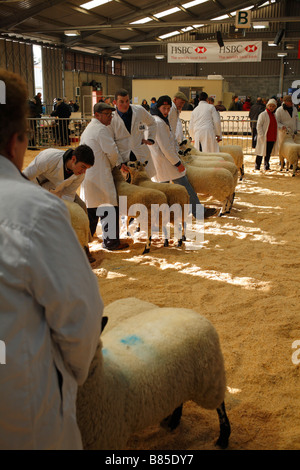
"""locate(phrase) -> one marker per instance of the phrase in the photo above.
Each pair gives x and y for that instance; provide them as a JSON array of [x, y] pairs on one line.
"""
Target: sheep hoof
[[221, 213], [183, 238], [166, 242], [225, 429], [172, 421], [146, 250], [179, 243], [293, 175]]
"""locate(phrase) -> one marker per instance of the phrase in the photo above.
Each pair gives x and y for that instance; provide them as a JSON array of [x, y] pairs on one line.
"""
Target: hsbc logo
[[200, 50], [251, 48]]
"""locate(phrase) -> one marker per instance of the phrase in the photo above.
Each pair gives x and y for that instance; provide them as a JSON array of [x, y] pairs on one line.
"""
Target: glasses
[[107, 114]]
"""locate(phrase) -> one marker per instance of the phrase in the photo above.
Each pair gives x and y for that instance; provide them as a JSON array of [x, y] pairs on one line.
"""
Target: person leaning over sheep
[[62, 172], [50, 310], [164, 154]]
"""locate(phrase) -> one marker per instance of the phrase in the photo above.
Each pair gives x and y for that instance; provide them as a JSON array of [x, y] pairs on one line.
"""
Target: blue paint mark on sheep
[[131, 340], [105, 352]]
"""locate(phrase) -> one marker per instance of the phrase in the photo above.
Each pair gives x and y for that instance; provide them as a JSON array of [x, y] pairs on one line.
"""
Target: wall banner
[[207, 52]]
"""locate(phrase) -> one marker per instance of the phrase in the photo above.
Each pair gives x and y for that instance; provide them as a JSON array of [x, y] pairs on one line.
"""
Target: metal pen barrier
[[50, 131], [236, 130]]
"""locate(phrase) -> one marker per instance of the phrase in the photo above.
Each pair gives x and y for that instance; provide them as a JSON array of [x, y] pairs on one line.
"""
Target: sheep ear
[[145, 163], [180, 152]]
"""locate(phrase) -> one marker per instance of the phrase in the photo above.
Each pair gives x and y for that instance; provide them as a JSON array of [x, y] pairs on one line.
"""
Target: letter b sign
[[243, 19]]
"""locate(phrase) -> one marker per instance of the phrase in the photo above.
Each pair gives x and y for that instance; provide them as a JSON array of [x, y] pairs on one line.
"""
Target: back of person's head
[[84, 154], [121, 92], [13, 114], [203, 96], [211, 100]]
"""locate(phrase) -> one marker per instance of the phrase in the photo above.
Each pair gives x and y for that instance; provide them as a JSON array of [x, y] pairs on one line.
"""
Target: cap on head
[[164, 100], [181, 96], [272, 101], [99, 107]]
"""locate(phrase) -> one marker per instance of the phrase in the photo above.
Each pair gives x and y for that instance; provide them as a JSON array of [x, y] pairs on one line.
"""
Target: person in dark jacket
[[254, 112], [63, 112]]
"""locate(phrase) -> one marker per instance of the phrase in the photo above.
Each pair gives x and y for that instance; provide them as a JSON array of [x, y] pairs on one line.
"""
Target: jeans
[[194, 201], [111, 242]]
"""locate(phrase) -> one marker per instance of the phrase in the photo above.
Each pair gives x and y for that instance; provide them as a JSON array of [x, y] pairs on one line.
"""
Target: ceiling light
[[198, 25], [188, 28], [168, 35], [94, 4], [289, 46], [142, 20], [166, 12], [261, 25], [159, 56], [271, 43], [71, 33], [223, 17], [125, 47], [193, 4], [281, 54]]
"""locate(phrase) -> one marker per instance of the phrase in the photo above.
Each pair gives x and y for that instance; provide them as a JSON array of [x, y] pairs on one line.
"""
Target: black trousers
[[258, 160], [254, 137], [108, 242]]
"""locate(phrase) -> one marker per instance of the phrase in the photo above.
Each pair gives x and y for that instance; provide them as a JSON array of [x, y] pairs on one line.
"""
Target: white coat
[[262, 129], [285, 120], [98, 186], [164, 153], [50, 316], [143, 126], [204, 126], [175, 123], [49, 165]]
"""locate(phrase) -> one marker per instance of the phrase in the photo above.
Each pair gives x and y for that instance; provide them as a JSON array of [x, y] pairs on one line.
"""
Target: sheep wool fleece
[[149, 365]]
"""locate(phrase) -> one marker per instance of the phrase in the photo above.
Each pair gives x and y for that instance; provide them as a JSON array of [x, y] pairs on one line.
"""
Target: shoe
[[89, 255], [210, 212], [120, 246]]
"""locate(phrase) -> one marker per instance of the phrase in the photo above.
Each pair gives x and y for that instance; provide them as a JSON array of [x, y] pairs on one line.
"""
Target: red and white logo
[[251, 48], [200, 50]]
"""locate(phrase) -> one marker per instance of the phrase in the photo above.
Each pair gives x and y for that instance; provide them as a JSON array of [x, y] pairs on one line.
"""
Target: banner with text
[[243, 51]]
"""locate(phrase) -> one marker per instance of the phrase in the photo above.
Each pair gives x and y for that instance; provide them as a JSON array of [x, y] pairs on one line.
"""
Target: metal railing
[[55, 132], [236, 130]]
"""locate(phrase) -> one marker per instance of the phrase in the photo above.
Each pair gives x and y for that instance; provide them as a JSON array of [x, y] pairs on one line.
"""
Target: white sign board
[[206, 52], [243, 19]]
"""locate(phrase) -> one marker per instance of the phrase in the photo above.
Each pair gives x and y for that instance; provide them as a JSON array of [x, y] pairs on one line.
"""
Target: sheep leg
[[172, 421], [225, 429], [147, 247], [242, 172]]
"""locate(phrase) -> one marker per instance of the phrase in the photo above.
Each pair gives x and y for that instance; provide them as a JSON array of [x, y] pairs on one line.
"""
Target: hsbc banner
[[244, 51]]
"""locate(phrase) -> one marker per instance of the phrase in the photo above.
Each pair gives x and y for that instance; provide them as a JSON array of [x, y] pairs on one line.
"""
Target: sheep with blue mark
[[151, 363]]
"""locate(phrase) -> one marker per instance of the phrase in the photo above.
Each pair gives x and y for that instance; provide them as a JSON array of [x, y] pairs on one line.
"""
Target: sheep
[[217, 183], [175, 193], [289, 150], [138, 195], [236, 152], [150, 364], [187, 148], [79, 222]]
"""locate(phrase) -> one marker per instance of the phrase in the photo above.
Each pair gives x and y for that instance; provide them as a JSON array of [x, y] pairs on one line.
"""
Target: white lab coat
[[262, 129], [50, 316], [98, 186], [284, 119], [204, 126], [143, 126], [49, 165], [175, 123], [164, 153]]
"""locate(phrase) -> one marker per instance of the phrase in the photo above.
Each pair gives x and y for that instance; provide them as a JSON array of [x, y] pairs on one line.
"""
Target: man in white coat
[[50, 310], [205, 126], [178, 103], [134, 131], [287, 118], [98, 188]]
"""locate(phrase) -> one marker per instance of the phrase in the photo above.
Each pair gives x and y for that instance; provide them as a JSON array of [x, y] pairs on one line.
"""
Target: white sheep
[[79, 221], [237, 154], [188, 149], [290, 151], [150, 364], [215, 182], [175, 193], [138, 195]]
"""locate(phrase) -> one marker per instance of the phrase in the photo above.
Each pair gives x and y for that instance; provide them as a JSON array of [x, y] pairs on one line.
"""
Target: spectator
[[63, 112], [145, 105], [50, 309], [235, 105], [254, 112], [247, 105], [220, 107], [153, 101]]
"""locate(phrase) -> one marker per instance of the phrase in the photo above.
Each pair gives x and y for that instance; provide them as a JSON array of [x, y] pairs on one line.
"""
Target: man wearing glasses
[[98, 188]]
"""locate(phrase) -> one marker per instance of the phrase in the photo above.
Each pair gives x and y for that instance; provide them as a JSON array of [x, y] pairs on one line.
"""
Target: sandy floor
[[245, 280]]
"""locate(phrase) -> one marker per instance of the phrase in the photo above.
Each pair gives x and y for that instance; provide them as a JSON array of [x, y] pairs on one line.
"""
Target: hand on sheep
[[125, 171], [181, 168], [57, 193], [148, 141], [218, 138]]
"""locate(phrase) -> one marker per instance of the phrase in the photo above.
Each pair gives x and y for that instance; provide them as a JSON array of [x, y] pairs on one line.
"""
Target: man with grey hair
[[98, 187], [178, 102]]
